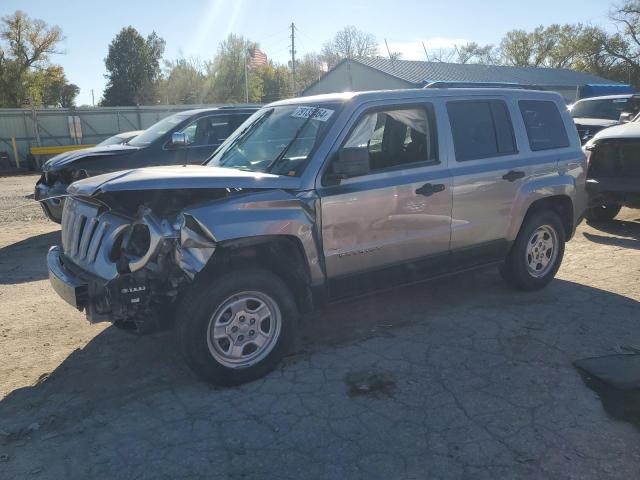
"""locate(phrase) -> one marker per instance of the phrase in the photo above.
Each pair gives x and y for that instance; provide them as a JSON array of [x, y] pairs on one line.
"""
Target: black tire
[[204, 298], [515, 270], [603, 213]]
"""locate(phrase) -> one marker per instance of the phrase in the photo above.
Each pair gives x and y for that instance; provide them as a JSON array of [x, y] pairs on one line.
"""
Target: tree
[[52, 89], [554, 46], [472, 52], [25, 69], [276, 82], [349, 43], [133, 66], [229, 68], [309, 69], [185, 82]]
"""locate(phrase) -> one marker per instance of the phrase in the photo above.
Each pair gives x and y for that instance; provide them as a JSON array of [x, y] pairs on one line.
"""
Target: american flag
[[258, 58]]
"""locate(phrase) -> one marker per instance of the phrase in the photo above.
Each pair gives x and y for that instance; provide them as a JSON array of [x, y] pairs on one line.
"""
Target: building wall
[[354, 77]]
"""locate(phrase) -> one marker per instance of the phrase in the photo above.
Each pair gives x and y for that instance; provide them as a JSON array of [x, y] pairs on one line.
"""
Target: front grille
[[88, 236], [618, 158]]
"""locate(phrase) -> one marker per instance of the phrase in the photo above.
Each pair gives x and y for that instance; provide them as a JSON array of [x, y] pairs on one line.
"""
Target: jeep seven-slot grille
[[88, 235]]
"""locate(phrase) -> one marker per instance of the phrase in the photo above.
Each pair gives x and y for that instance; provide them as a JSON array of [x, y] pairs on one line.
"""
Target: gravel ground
[[456, 378]]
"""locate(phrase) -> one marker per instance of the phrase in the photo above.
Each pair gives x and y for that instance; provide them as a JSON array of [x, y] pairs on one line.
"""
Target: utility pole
[[93, 100], [293, 58]]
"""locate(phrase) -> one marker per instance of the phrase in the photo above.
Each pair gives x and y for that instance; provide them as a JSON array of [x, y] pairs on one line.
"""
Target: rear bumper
[[70, 288]]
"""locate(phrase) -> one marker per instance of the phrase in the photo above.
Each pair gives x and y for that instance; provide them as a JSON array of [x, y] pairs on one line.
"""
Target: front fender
[[538, 189], [261, 214]]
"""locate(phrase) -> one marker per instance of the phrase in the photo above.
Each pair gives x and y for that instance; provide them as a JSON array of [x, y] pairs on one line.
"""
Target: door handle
[[429, 189], [513, 175]]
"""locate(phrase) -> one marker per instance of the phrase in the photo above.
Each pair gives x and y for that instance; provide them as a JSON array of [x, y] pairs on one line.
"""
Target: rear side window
[[544, 125], [481, 129]]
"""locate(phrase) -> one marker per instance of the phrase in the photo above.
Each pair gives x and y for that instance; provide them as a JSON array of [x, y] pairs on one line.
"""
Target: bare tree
[[473, 52], [31, 41], [349, 43]]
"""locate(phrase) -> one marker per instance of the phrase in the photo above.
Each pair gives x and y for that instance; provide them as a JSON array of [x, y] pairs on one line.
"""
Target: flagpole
[[246, 79]]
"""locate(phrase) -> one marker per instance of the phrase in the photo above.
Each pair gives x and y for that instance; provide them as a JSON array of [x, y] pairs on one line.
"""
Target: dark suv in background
[[597, 113], [185, 137]]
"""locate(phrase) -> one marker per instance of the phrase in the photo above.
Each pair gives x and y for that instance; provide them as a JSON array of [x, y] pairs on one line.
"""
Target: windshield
[[115, 140], [277, 140], [157, 130], [609, 109]]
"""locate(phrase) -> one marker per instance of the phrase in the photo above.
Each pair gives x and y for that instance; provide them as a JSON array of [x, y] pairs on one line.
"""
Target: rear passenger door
[[487, 172]]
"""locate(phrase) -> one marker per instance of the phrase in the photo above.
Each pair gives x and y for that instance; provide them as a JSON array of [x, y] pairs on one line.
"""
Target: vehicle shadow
[[125, 382], [25, 261], [621, 233]]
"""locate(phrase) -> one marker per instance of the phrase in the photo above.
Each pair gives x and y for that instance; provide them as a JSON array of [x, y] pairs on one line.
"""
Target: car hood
[[180, 178], [625, 130], [66, 158], [595, 122]]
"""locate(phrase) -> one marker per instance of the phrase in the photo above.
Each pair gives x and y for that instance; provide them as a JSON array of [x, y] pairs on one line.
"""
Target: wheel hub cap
[[244, 329], [541, 251]]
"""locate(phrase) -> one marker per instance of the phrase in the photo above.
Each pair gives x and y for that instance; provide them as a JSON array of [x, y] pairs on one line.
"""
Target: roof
[[420, 73], [411, 93]]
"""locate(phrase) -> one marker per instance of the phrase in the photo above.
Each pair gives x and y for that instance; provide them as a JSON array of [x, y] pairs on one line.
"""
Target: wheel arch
[[283, 255]]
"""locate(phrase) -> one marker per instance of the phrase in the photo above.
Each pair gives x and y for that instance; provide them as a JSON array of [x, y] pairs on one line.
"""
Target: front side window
[[157, 130], [480, 129], [211, 130], [544, 125], [396, 137], [277, 140]]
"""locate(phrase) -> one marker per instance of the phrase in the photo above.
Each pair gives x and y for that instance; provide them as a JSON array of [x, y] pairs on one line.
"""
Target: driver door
[[394, 221]]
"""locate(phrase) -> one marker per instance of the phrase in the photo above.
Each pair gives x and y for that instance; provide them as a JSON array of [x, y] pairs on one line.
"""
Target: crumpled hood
[[66, 158], [595, 122], [625, 130], [179, 178]]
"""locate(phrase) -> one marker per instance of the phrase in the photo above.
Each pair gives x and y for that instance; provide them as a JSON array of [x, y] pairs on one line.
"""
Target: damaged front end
[[126, 269], [614, 171]]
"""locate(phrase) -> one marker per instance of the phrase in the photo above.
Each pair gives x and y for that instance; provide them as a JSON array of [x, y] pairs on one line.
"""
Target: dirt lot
[[457, 378]]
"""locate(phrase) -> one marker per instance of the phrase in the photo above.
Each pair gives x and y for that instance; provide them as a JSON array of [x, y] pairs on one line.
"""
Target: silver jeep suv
[[318, 198]]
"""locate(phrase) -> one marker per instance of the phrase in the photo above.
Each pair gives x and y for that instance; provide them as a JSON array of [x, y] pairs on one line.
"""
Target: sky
[[194, 28]]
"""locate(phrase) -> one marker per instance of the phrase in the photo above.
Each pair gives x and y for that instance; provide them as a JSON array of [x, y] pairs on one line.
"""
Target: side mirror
[[351, 162], [178, 139], [625, 117]]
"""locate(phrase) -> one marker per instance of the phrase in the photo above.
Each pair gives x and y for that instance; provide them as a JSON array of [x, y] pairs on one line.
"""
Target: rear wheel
[[536, 255], [603, 213], [236, 327]]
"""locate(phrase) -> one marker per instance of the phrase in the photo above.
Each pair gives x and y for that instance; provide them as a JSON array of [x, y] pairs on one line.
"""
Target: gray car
[[316, 199]]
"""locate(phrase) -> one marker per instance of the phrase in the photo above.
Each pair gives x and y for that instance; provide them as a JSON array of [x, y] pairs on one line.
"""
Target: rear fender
[[538, 189]]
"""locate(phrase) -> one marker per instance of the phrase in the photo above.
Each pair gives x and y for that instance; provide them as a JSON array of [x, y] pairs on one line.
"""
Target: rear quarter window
[[544, 125]]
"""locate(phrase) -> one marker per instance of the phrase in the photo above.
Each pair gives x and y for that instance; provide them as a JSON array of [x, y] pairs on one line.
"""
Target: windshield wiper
[[243, 134], [284, 151]]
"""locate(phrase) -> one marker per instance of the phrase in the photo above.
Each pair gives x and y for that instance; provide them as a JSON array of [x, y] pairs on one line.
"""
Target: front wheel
[[603, 213], [536, 255], [236, 327]]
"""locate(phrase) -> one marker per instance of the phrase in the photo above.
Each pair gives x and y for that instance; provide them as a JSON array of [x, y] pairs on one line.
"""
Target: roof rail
[[447, 84]]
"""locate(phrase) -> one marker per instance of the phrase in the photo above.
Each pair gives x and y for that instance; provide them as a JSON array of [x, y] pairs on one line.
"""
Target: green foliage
[[26, 73], [133, 66]]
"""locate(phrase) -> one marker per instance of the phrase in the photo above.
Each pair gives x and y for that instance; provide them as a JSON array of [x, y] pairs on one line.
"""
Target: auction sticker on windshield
[[322, 114]]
